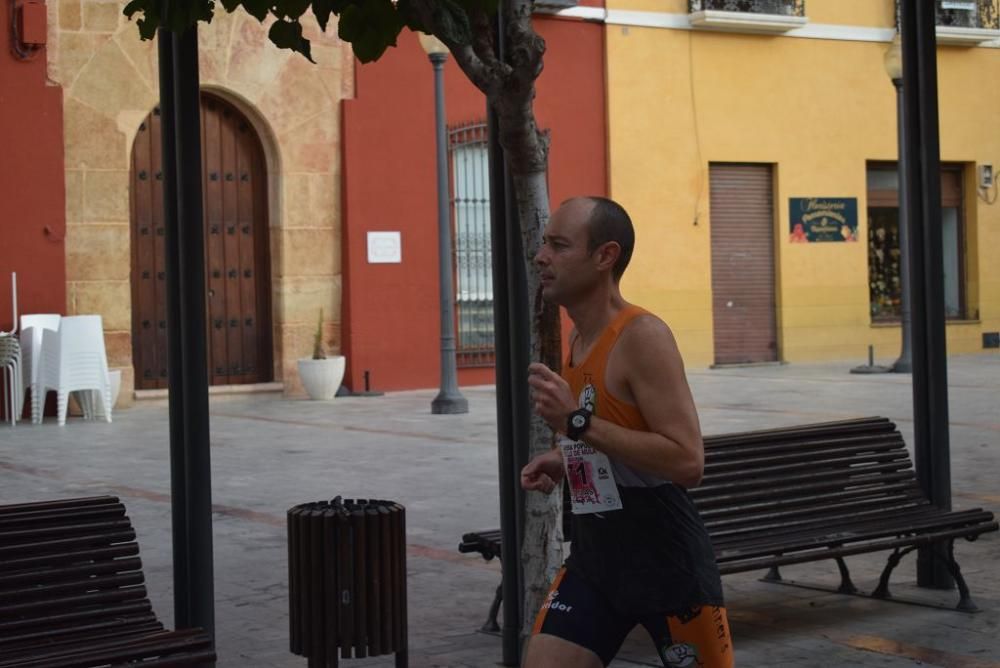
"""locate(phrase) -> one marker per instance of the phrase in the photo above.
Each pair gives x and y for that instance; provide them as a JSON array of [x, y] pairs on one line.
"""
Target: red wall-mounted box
[[32, 23]]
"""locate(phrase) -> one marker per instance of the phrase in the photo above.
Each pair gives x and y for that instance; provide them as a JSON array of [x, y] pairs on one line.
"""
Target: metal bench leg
[[773, 575], [846, 586], [882, 590], [947, 555], [491, 625]]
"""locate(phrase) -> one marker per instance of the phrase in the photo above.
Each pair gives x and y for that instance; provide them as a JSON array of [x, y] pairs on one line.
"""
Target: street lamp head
[[893, 59], [431, 45]]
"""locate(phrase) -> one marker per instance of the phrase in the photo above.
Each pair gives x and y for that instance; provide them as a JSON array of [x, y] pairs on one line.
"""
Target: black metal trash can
[[347, 580]]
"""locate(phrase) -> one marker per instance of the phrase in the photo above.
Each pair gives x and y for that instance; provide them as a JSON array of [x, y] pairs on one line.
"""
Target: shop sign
[[823, 219]]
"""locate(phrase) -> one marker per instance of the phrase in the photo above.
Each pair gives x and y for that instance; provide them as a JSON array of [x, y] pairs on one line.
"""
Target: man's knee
[[548, 651]]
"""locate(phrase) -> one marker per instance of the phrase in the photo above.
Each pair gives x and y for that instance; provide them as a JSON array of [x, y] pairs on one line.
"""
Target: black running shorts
[[575, 611]]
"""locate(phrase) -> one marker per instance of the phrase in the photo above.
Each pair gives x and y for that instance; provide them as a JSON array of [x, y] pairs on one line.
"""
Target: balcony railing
[[968, 14], [780, 7], [760, 16]]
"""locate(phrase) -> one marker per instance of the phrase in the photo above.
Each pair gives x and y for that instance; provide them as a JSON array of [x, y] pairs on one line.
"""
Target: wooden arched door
[[237, 259]]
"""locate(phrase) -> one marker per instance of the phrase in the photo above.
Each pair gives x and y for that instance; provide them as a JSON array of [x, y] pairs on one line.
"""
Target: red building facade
[[391, 310], [32, 189]]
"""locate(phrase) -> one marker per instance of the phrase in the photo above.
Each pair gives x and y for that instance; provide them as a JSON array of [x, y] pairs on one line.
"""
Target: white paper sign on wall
[[385, 248]]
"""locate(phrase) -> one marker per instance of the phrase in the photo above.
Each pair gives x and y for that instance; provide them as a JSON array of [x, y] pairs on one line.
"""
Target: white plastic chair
[[72, 359], [32, 327], [10, 367], [10, 360]]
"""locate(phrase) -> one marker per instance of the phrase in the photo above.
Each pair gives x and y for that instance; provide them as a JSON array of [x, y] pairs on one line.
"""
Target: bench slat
[[929, 522], [793, 468], [64, 528], [719, 521], [800, 490], [762, 503], [818, 517], [68, 586], [74, 557], [59, 505], [760, 563], [816, 430], [40, 576], [115, 651], [46, 547], [777, 484], [53, 636], [724, 454]]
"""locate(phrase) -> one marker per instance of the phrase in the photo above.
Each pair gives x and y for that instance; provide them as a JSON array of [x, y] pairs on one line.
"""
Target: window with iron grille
[[470, 208]]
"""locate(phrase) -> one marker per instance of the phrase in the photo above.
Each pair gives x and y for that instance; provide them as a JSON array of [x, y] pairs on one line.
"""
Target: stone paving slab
[[269, 454]]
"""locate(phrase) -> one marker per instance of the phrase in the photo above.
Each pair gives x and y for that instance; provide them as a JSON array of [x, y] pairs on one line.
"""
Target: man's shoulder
[[646, 324], [645, 335]]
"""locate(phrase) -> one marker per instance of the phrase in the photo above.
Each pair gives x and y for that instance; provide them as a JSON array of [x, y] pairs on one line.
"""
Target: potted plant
[[321, 375]]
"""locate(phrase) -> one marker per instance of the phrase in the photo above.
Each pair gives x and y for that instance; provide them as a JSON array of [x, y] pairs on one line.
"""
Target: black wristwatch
[[577, 423]]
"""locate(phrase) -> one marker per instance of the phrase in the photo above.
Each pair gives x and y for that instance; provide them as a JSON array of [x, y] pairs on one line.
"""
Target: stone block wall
[[110, 83]]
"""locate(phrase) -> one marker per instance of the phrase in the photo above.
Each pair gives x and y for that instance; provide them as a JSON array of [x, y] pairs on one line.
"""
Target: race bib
[[592, 487]]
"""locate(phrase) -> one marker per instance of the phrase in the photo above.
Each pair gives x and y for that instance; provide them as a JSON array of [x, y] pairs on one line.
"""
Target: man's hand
[[543, 473], [551, 395]]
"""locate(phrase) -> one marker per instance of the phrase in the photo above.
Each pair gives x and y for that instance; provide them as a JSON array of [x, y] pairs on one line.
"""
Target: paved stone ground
[[269, 454]]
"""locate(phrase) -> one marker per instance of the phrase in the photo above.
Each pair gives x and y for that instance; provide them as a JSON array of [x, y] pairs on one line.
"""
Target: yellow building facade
[[696, 96]]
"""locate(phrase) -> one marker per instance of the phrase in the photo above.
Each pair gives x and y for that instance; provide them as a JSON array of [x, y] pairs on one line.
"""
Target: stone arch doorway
[[237, 257]]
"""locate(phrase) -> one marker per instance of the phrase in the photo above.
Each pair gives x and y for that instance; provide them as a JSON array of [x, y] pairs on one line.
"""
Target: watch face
[[579, 421]]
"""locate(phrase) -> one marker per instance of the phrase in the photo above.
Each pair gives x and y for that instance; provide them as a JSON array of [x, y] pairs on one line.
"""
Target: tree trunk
[[541, 549], [509, 85]]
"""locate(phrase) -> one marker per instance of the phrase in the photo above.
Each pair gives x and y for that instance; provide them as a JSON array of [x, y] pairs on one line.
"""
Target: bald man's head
[[607, 221]]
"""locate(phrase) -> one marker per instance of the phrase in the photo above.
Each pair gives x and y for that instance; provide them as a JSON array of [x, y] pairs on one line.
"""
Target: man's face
[[566, 267]]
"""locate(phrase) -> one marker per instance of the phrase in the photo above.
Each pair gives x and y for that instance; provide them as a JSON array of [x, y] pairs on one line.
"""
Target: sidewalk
[[269, 454]]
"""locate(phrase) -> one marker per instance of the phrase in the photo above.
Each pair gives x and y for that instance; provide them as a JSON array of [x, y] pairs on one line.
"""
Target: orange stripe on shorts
[[707, 635], [540, 618]]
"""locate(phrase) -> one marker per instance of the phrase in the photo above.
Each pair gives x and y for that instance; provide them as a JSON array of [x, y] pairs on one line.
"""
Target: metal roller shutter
[[743, 290]]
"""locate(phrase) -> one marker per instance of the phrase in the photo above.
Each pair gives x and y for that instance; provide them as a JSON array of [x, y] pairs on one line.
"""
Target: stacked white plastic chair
[[13, 390], [72, 359], [10, 363], [32, 327]]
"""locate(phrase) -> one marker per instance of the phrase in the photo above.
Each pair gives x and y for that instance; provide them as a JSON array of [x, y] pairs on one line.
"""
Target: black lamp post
[[449, 400], [894, 68]]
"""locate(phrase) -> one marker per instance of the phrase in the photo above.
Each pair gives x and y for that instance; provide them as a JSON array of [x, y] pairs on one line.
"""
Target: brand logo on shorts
[[681, 655], [552, 604]]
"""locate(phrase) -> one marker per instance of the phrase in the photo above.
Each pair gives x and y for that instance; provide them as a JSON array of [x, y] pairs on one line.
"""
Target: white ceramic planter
[[322, 378]]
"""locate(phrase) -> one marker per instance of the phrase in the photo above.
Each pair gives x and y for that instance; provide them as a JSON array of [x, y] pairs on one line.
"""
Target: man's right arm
[[544, 472]]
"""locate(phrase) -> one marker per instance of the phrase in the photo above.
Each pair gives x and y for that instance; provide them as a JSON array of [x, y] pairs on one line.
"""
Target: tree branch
[[477, 60], [470, 63], [525, 146]]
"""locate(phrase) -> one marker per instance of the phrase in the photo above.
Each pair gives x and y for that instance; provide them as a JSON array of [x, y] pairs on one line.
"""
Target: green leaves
[[371, 26], [257, 8], [288, 35], [181, 15], [451, 22], [292, 9], [322, 10], [150, 20]]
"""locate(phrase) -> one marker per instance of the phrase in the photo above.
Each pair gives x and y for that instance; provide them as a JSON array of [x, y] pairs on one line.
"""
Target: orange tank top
[[587, 378], [588, 381]]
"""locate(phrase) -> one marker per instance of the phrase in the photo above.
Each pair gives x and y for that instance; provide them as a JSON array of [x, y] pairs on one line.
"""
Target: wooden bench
[[786, 496], [72, 592]]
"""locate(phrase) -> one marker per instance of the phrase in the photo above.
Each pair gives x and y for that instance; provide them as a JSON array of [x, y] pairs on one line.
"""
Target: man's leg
[[576, 627], [700, 638], [545, 651]]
